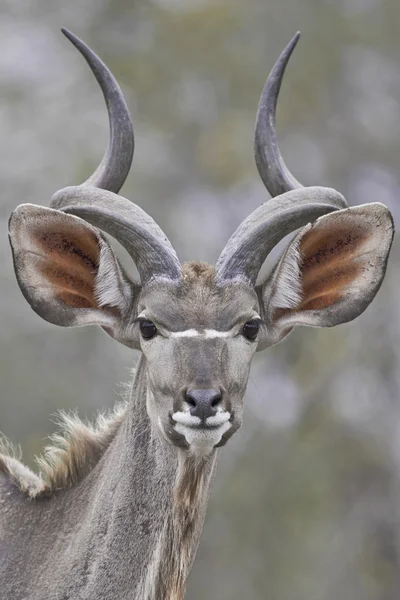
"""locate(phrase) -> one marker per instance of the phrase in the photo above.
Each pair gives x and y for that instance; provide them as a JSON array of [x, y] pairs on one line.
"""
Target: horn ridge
[[97, 201], [247, 249], [116, 162], [272, 169], [140, 235]]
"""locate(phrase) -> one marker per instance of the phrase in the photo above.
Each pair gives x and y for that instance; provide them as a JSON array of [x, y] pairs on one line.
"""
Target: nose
[[203, 403]]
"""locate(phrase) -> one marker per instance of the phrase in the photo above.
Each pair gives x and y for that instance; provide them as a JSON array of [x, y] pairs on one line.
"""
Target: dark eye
[[147, 329], [250, 329]]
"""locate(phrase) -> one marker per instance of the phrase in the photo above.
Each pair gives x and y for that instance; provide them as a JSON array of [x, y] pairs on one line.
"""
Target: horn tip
[[66, 31], [293, 42], [70, 36]]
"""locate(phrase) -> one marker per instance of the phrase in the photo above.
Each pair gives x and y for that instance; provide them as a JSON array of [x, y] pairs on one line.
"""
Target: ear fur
[[68, 272], [329, 273]]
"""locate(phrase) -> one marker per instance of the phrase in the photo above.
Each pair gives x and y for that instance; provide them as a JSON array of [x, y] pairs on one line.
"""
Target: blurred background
[[306, 504]]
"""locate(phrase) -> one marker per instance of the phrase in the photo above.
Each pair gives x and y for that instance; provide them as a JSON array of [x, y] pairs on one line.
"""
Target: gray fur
[[98, 539], [129, 526]]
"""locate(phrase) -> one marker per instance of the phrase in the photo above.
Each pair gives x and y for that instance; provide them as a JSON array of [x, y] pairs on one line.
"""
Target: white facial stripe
[[207, 334], [185, 333], [214, 333]]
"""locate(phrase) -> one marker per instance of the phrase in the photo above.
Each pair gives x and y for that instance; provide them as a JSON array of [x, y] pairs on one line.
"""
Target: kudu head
[[198, 326]]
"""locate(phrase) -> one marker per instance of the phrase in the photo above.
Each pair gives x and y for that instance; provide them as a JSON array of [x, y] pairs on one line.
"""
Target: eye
[[250, 329], [147, 329]]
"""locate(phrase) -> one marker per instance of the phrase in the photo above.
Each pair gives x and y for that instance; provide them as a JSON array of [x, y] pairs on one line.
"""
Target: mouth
[[190, 421], [201, 436]]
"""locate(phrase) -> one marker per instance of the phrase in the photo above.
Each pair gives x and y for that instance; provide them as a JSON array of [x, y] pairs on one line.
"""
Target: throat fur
[[181, 532]]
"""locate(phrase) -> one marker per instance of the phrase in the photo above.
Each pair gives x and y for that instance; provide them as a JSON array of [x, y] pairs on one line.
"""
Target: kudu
[[118, 508]]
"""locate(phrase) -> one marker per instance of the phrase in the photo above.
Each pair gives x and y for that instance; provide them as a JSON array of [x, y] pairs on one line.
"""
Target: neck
[[154, 498], [177, 542]]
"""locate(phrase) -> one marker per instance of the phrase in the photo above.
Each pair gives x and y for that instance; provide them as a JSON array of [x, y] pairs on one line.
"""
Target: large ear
[[68, 272], [330, 272]]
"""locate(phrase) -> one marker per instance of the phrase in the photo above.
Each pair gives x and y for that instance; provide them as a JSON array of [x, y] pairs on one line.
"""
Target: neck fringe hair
[[192, 482], [71, 455]]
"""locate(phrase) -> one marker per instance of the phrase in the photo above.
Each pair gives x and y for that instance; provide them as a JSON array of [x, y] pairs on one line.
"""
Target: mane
[[72, 453]]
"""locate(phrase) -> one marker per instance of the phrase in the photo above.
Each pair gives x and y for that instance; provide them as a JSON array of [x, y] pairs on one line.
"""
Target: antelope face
[[198, 326], [198, 339]]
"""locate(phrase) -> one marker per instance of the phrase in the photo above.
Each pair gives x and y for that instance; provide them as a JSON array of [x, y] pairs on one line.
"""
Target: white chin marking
[[202, 441]]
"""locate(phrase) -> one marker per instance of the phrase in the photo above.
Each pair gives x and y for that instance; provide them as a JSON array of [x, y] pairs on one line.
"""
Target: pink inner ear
[[331, 261], [68, 261]]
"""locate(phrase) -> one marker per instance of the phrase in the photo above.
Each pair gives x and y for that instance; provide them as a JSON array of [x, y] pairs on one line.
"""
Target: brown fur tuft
[[199, 272], [70, 457]]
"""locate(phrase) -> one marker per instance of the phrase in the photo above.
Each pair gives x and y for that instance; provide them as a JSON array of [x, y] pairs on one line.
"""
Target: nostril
[[190, 400], [215, 401]]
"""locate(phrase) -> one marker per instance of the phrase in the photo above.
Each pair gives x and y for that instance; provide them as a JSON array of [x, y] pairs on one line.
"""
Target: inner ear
[[55, 254], [69, 262], [330, 272], [332, 259], [68, 272]]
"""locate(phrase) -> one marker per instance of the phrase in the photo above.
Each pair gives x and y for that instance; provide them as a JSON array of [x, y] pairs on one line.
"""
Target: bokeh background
[[306, 504]]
